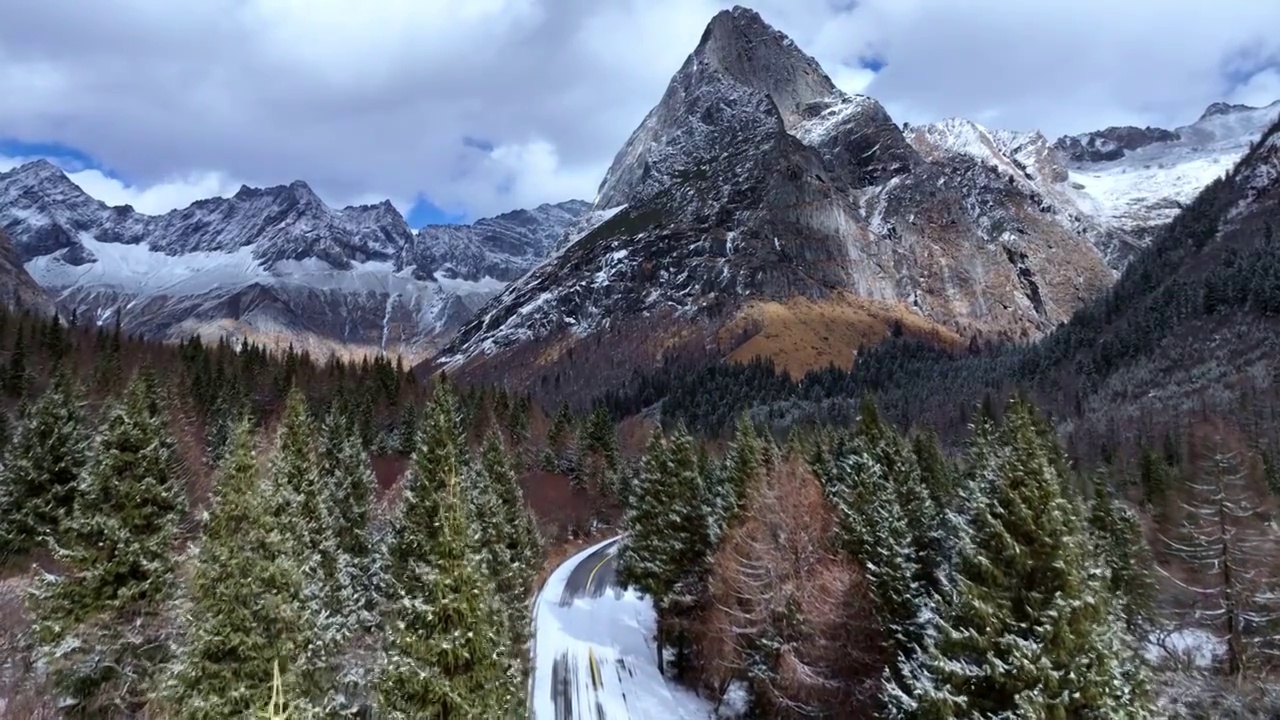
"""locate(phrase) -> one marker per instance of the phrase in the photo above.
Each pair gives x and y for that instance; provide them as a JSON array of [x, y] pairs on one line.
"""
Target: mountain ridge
[[354, 276]]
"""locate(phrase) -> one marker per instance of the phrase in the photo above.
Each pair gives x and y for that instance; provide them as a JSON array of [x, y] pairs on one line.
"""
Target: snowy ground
[[594, 653]]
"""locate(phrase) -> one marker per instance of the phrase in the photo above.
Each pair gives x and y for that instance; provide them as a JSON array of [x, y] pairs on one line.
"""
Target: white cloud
[[153, 199], [1262, 88], [369, 100]]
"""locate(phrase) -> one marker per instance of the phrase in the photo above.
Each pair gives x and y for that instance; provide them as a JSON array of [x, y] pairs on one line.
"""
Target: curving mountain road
[[594, 656]]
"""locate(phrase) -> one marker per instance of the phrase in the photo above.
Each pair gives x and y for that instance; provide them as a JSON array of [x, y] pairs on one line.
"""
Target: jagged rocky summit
[[756, 182]]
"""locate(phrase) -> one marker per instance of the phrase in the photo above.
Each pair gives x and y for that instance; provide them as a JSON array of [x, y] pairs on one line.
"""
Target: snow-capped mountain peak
[[1137, 179]]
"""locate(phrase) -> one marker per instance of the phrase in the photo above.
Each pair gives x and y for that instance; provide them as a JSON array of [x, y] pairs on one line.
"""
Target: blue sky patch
[[64, 156], [872, 63], [424, 212]]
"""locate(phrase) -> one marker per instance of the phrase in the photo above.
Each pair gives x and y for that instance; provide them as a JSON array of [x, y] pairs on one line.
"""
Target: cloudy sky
[[457, 109]]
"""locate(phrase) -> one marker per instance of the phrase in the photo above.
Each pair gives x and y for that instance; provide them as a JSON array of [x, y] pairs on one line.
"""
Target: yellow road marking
[[599, 565], [595, 668]]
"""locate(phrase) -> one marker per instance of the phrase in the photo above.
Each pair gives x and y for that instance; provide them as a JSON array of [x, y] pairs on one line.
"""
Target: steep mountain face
[[274, 263], [17, 288], [1134, 180], [756, 181]]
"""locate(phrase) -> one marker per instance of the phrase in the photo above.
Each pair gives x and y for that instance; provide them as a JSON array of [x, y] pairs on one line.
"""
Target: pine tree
[[742, 465], [520, 534], [874, 528], [598, 449], [243, 617], [407, 430], [1025, 628], [668, 547], [935, 470], [561, 444], [1155, 477], [6, 433], [39, 480], [16, 378], [99, 623], [447, 644], [518, 421]]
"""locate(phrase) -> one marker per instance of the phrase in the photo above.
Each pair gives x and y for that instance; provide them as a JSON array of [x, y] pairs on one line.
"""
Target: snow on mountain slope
[[273, 262], [1140, 189]]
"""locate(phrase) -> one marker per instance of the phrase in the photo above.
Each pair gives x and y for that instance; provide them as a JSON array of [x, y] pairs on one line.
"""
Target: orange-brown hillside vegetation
[[802, 334]]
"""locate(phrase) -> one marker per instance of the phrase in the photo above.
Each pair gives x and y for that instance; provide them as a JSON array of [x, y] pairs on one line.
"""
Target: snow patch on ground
[[1131, 194], [1149, 185], [458, 286], [1196, 647]]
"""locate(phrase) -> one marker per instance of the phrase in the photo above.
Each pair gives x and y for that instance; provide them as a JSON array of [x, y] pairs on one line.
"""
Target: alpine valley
[[757, 210], [809, 413]]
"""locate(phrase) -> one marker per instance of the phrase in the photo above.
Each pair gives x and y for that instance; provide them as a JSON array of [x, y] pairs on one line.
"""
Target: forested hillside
[[179, 524]]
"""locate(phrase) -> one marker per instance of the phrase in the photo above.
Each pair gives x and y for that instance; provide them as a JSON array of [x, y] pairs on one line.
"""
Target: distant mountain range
[[274, 263]]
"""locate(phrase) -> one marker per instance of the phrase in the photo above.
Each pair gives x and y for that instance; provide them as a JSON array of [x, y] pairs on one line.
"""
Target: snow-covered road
[[594, 654]]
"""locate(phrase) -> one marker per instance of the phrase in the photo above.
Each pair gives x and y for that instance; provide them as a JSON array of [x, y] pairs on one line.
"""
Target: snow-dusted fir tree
[[742, 465], [309, 535], [406, 436], [241, 617], [1117, 532], [641, 554], [936, 471], [100, 622], [40, 475], [562, 445], [348, 564], [691, 520], [867, 481], [669, 542], [516, 531], [1026, 629], [1227, 553], [448, 652]]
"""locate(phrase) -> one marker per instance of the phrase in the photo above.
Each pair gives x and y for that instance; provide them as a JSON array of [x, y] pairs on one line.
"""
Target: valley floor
[[594, 652]]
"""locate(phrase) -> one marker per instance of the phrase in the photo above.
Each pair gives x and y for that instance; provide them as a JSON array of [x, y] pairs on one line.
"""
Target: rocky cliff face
[[17, 288], [1111, 143], [275, 263], [756, 179]]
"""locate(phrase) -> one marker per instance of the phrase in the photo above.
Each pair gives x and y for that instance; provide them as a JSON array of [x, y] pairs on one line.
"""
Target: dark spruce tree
[[242, 617]]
